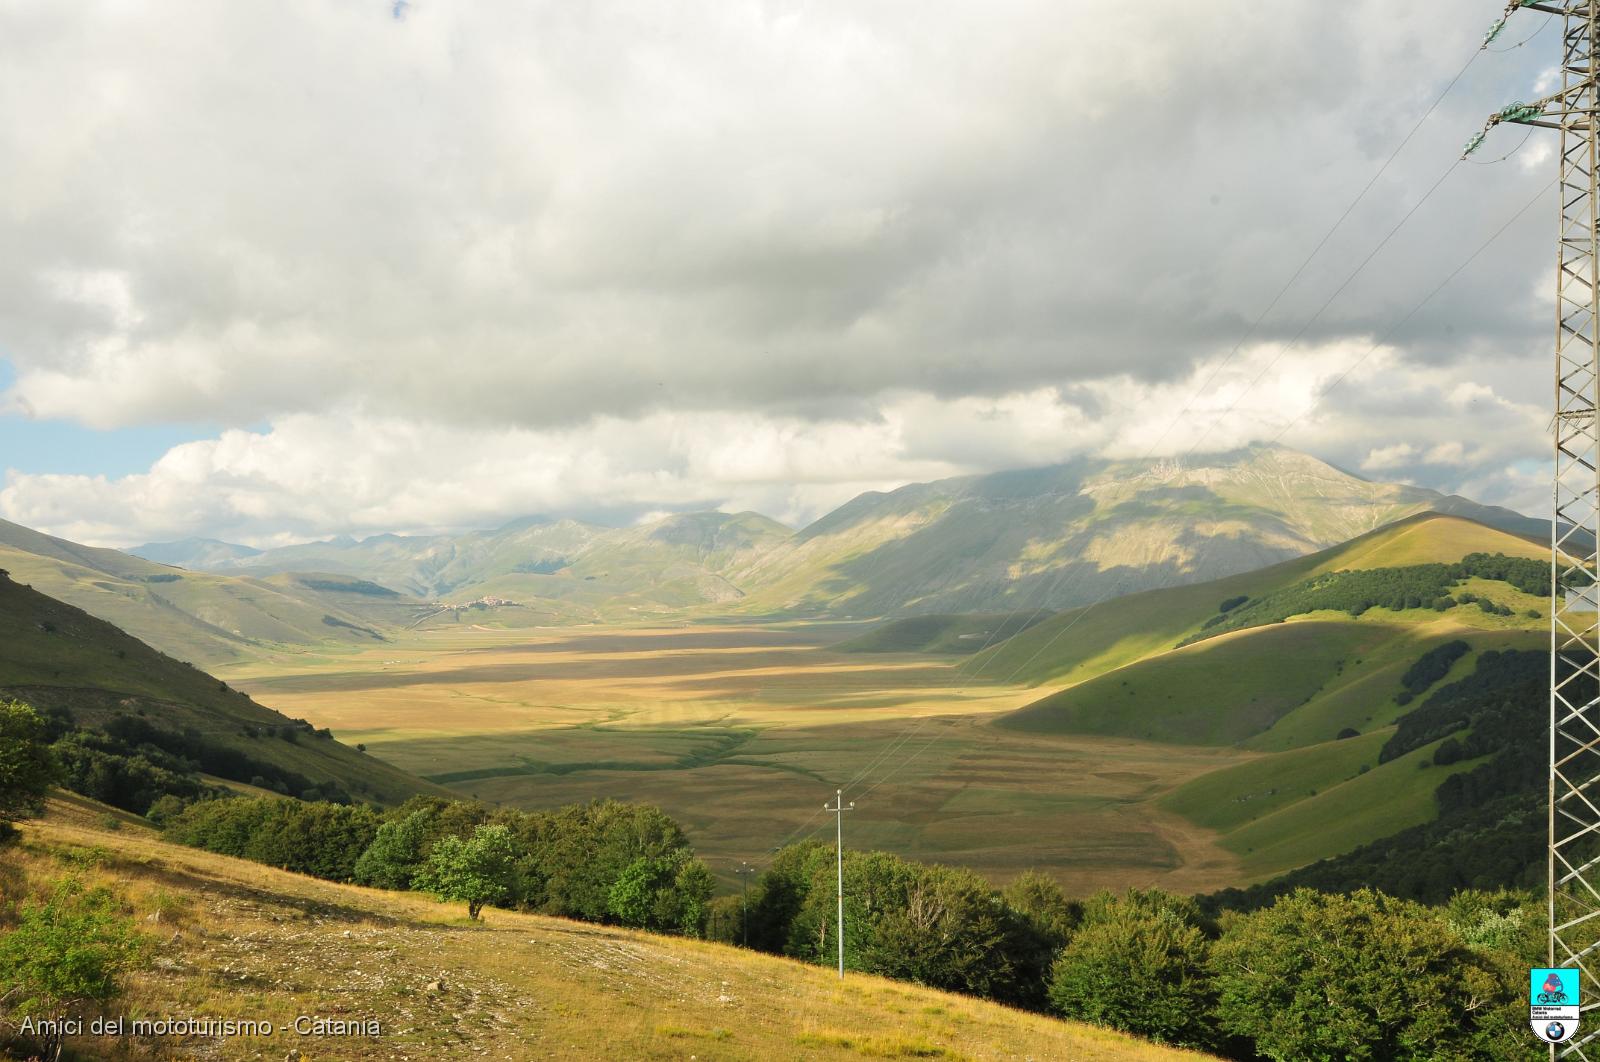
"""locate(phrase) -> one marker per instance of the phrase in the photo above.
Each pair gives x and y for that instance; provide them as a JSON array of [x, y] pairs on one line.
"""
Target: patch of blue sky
[[62, 447]]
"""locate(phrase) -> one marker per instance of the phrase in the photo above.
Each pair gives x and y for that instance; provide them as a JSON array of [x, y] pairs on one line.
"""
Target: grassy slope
[[1285, 810], [53, 654], [1286, 689], [1277, 687], [1216, 692], [1081, 643], [1060, 536], [198, 616], [246, 940]]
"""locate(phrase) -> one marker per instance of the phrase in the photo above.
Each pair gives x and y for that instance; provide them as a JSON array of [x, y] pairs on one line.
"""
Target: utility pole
[[744, 872], [1573, 852], [838, 809]]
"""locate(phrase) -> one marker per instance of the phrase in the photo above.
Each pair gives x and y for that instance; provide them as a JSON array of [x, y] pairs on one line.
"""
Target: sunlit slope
[[1285, 810], [200, 616], [554, 569], [240, 938], [1062, 536], [55, 655], [1318, 692], [1079, 644], [676, 562]]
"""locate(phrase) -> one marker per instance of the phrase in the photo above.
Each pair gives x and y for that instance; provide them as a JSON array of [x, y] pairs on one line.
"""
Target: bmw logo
[[1554, 1031]]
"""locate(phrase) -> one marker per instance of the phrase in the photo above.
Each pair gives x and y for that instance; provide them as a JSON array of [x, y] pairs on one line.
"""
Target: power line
[[1372, 182], [1384, 338], [1337, 225], [1360, 268], [1378, 343]]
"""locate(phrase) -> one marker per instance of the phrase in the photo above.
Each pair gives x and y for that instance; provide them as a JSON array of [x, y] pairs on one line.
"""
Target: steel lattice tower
[[1574, 782]]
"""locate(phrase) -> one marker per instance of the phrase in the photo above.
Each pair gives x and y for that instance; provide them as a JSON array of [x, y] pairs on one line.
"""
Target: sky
[[275, 272]]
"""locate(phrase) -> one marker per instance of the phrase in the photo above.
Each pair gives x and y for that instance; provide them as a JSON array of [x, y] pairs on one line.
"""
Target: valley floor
[[741, 732], [238, 940]]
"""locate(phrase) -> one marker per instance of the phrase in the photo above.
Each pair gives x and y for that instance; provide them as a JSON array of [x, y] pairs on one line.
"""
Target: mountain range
[[1049, 537], [1034, 540]]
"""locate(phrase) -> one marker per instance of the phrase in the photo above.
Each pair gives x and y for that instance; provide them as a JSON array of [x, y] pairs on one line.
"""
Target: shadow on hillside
[[195, 880]]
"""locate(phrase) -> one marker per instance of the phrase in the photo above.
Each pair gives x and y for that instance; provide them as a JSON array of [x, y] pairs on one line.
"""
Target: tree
[[1041, 900], [1361, 977], [585, 850], [661, 893], [395, 854], [1048, 918], [475, 871], [948, 929], [1138, 964], [27, 768], [70, 949]]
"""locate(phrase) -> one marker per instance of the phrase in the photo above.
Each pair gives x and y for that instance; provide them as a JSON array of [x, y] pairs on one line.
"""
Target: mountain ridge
[[1084, 528]]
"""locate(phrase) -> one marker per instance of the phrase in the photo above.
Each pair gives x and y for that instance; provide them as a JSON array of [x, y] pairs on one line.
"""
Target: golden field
[[741, 733]]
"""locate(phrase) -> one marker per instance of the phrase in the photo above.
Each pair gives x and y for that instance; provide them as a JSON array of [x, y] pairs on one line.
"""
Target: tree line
[[1490, 830], [1356, 592], [624, 864], [1360, 975], [130, 763]]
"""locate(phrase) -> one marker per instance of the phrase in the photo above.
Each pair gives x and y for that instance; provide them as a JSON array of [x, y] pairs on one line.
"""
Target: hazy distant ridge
[[1033, 538]]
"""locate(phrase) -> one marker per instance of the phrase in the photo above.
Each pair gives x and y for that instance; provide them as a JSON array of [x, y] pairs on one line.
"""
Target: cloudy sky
[[275, 271]]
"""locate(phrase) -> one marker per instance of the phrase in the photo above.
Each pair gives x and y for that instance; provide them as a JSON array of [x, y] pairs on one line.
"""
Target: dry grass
[[241, 940]]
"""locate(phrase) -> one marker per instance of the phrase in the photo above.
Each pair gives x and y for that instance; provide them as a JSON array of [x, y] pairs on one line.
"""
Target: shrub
[[1138, 964], [73, 948], [1361, 977], [27, 768], [670, 892]]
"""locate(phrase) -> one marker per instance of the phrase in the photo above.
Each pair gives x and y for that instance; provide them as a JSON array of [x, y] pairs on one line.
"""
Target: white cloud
[[311, 475], [1383, 458], [605, 257]]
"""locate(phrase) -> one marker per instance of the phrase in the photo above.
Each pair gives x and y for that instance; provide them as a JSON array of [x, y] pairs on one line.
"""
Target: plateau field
[[1092, 745]]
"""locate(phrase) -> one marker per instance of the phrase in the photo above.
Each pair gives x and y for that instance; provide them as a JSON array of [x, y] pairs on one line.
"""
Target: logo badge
[[1553, 1004]]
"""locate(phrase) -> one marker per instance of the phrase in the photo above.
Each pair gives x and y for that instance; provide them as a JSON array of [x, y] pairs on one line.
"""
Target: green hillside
[[1078, 644], [1317, 689], [54, 655], [205, 617]]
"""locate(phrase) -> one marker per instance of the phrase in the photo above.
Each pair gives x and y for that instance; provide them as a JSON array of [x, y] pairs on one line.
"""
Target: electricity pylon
[[1574, 779]]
